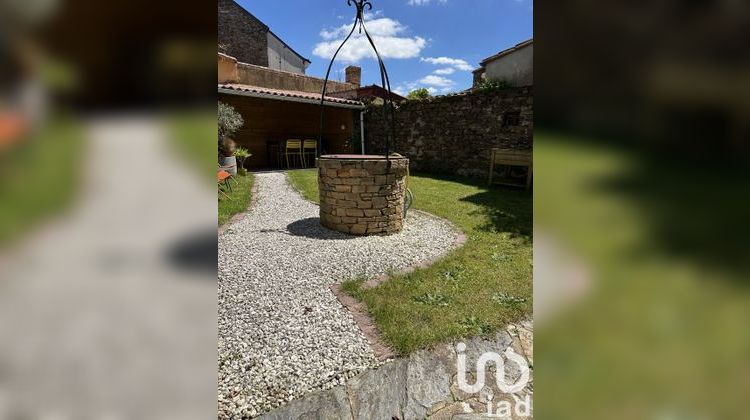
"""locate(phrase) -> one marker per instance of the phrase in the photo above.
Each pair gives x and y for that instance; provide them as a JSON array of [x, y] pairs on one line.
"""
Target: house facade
[[246, 38], [514, 66]]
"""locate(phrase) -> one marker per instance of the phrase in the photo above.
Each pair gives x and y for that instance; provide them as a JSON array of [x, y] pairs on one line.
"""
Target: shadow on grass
[[692, 210], [506, 210]]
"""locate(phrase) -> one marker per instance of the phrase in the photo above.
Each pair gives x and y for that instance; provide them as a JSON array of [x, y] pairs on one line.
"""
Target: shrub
[[419, 94], [490, 85], [242, 154], [229, 122]]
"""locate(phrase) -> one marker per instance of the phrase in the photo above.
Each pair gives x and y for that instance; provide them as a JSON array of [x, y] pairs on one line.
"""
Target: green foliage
[[436, 299], [492, 85], [229, 122], [507, 300], [239, 200], [419, 94], [39, 177], [242, 154], [188, 133]]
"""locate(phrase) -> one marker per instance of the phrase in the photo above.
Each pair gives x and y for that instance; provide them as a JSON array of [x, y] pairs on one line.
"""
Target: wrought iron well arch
[[388, 108]]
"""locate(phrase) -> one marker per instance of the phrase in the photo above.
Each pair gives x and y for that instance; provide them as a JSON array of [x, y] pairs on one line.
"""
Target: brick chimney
[[354, 75]]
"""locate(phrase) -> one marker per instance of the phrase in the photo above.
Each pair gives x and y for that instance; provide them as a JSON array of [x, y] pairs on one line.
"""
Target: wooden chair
[[293, 148], [222, 177], [310, 148]]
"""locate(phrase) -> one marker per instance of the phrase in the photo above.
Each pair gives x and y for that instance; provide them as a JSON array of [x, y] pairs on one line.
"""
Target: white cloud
[[404, 88], [456, 63], [446, 71], [424, 2], [437, 81], [385, 33]]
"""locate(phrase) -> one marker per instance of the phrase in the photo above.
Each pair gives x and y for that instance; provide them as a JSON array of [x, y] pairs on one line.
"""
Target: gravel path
[[282, 333]]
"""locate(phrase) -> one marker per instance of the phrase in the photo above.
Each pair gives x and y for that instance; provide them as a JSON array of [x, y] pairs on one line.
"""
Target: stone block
[[349, 220], [364, 204], [358, 229], [333, 219], [343, 188], [355, 212], [347, 204], [379, 394], [372, 188], [372, 213], [332, 404]]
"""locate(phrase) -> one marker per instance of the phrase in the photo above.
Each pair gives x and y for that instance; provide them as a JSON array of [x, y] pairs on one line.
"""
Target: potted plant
[[242, 154], [228, 161], [229, 122]]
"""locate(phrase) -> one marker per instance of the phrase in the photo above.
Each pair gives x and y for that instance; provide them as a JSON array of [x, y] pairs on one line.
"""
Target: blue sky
[[426, 43]]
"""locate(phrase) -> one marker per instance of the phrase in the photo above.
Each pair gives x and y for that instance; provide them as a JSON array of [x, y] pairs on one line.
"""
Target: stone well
[[361, 195]]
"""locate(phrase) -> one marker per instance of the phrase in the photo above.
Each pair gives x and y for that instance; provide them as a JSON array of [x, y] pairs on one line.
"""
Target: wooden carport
[[273, 116]]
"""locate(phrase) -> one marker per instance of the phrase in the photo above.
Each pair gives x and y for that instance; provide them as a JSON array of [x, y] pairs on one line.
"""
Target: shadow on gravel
[[196, 251], [311, 228]]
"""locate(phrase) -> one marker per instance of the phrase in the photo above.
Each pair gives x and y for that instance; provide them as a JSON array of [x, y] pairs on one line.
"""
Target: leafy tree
[[490, 85], [419, 94], [229, 122]]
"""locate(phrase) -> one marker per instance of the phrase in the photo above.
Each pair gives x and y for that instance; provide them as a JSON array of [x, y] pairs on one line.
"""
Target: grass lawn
[[663, 330], [39, 177], [477, 289], [239, 198], [193, 135]]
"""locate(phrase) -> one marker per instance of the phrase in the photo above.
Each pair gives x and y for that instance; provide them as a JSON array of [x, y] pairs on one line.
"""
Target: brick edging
[[358, 309], [458, 242]]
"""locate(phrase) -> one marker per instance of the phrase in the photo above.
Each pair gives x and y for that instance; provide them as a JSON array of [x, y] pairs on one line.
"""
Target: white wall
[[517, 68], [282, 58]]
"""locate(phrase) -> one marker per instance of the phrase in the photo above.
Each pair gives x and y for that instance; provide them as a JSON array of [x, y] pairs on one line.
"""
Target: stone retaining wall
[[362, 196], [455, 134]]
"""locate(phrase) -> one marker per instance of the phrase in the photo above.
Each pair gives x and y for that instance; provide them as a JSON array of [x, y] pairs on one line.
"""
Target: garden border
[[239, 216], [358, 309]]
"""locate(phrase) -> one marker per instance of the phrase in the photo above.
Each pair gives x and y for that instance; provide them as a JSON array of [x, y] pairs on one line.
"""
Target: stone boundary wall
[[455, 134], [362, 196]]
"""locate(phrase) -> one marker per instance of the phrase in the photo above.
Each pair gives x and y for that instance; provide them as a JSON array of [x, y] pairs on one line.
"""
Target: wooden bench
[[511, 157]]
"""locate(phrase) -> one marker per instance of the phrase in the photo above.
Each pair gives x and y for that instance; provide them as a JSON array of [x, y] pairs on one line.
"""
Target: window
[[512, 119]]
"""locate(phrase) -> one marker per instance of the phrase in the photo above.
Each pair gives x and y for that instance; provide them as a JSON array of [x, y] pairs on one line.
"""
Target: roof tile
[[285, 93]]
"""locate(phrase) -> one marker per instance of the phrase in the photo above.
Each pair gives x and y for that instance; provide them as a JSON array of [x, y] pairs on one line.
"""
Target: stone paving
[[425, 385]]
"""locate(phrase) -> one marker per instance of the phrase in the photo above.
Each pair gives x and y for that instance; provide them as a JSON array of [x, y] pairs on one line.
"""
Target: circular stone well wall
[[361, 195]]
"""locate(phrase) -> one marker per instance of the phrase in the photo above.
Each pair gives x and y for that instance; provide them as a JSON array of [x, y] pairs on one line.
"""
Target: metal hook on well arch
[[388, 108]]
